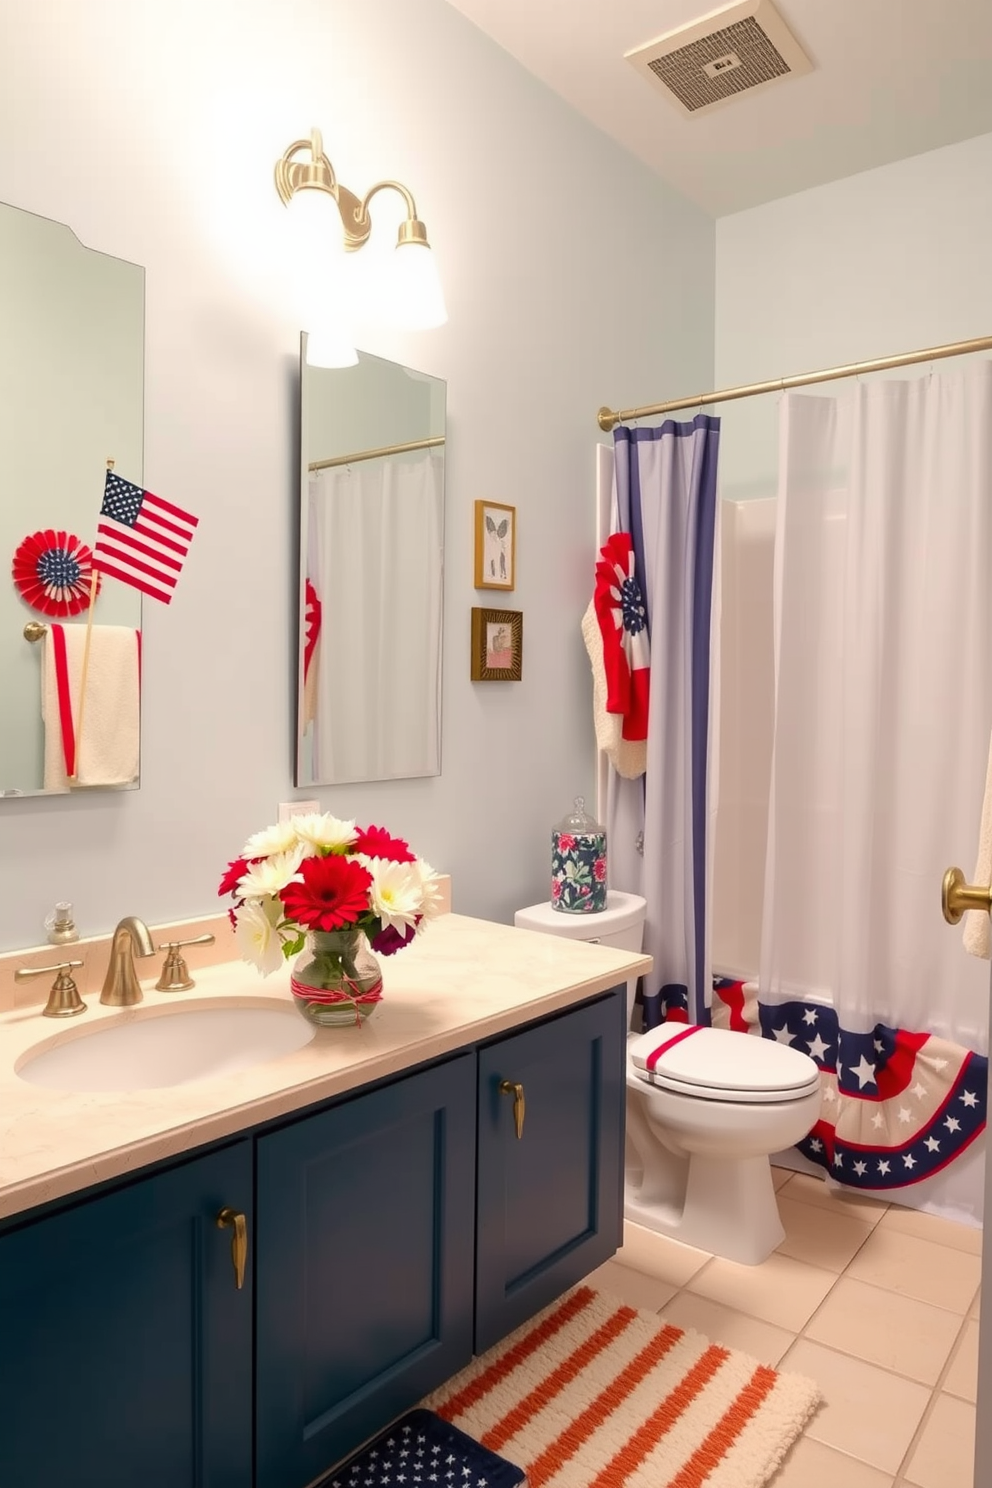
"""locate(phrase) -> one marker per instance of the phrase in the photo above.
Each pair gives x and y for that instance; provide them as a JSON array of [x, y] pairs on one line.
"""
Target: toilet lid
[[718, 1064]]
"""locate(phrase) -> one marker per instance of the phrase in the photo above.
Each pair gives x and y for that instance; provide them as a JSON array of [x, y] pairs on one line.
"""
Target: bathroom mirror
[[71, 398], [371, 554]]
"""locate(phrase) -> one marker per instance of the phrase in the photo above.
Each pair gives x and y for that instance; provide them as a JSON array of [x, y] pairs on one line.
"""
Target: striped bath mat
[[593, 1394]]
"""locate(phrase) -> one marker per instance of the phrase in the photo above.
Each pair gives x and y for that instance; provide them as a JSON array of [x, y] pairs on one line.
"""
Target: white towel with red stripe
[[106, 753]]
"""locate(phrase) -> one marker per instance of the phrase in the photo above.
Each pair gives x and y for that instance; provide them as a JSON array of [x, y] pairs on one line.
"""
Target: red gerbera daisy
[[375, 842], [235, 871], [334, 893]]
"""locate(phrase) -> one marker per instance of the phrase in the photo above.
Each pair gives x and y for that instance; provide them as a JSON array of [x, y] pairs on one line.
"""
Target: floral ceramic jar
[[578, 863]]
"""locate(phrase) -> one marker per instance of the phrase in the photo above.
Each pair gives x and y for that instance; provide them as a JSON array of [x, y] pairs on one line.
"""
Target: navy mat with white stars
[[422, 1451]]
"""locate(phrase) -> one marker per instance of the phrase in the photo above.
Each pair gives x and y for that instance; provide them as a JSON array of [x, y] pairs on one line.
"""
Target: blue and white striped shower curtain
[[659, 825]]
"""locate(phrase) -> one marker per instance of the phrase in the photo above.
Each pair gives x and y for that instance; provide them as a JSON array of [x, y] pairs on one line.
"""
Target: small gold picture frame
[[495, 545], [497, 645]]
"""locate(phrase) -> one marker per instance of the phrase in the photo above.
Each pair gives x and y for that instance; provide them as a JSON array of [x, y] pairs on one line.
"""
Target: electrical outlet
[[297, 808]]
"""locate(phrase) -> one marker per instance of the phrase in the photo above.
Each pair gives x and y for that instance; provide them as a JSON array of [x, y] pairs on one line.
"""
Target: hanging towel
[[108, 749], [628, 757], [976, 923]]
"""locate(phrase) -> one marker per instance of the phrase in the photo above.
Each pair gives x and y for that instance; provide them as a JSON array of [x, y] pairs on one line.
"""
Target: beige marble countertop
[[462, 981]]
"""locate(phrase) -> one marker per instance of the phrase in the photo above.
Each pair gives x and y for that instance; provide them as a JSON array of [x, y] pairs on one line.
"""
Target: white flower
[[278, 839], [396, 893], [431, 894], [322, 832], [271, 874], [257, 938]]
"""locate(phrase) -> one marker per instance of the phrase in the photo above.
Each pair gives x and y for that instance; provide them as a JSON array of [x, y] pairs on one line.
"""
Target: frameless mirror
[[371, 554], [71, 398]]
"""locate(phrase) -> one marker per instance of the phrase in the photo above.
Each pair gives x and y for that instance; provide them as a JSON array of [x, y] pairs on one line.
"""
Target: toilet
[[706, 1108]]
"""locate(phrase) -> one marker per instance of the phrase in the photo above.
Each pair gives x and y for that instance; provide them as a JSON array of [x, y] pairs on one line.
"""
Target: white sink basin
[[169, 1049]]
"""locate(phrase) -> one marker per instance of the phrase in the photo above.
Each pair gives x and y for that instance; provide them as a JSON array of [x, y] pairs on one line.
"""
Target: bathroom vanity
[[242, 1279]]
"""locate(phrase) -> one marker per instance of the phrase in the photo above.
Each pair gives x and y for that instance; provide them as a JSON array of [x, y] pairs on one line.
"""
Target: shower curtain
[[659, 824], [374, 550], [883, 711]]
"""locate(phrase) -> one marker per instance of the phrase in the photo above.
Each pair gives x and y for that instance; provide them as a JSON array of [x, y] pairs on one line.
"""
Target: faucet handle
[[64, 1000], [175, 975]]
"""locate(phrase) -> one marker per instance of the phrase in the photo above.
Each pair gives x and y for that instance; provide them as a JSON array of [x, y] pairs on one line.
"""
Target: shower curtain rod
[[373, 454], [609, 418]]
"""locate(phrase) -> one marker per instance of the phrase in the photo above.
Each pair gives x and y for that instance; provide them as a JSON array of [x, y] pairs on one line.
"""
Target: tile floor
[[876, 1303]]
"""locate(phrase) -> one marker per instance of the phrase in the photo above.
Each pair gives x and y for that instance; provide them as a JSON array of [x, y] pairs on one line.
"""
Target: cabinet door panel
[[364, 1266], [550, 1202], [126, 1353]]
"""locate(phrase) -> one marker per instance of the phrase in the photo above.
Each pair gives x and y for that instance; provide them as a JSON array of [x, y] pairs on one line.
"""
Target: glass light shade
[[332, 346], [416, 297], [316, 251], [316, 222]]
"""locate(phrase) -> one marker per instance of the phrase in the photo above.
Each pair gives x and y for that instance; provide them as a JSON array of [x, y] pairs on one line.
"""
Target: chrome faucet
[[120, 985]]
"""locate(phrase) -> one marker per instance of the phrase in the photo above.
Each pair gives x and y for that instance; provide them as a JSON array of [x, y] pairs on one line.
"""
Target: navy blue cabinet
[[390, 1234], [366, 1214], [125, 1345], [550, 1163]]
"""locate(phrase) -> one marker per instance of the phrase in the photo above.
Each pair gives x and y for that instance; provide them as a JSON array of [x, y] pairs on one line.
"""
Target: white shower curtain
[[883, 711], [374, 556]]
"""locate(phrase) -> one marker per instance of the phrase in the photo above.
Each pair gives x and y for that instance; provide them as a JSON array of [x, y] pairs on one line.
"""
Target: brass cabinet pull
[[956, 896], [232, 1218], [514, 1088]]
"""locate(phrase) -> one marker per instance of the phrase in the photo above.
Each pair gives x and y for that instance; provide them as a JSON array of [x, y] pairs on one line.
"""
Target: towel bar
[[35, 631], [956, 896]]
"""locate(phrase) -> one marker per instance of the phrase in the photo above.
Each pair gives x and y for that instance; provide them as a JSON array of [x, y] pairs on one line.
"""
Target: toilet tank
[[620, 925]]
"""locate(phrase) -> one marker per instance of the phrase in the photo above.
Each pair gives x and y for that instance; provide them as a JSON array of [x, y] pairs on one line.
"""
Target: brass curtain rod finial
[[35, 631]]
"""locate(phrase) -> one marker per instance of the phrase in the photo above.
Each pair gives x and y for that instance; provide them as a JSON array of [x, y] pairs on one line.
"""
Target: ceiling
[[890, 78]]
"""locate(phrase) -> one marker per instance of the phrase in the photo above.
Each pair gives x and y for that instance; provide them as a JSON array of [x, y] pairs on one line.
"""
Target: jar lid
[[578, 821]]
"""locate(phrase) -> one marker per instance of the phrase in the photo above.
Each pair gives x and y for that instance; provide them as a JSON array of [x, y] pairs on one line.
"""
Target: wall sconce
[[416, 299]]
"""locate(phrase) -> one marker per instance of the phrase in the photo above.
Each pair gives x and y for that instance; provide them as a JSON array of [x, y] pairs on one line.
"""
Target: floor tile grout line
[[853, 1213], [955, 1350], [899, 1479], [850, 1212], [909, 1379], [917, 1436]]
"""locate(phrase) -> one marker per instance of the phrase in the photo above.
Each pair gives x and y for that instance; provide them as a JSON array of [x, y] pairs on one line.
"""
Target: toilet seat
[[715, 1064]]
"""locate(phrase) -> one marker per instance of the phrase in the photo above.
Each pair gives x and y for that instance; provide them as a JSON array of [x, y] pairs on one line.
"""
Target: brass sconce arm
[[317, 173], [412, 230]]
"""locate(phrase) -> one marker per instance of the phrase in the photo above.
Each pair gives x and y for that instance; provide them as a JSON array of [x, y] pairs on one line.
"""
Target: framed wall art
[[495, 545], [497, 645]]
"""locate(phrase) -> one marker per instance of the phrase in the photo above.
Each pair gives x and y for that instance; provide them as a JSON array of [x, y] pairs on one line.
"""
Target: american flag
[[141, 539]]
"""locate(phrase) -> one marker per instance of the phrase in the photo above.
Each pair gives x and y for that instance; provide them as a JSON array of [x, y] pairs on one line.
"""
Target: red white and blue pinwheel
[[52, 572]]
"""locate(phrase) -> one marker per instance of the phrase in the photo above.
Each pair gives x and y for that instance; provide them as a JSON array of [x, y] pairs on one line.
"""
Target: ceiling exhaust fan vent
[[726, 53]]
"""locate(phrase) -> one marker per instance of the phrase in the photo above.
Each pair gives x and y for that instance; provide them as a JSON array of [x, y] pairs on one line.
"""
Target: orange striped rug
[[593, 1394]]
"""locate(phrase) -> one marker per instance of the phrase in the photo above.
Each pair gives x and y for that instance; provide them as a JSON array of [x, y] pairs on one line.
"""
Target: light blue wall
[[573, 278], [887, 261]]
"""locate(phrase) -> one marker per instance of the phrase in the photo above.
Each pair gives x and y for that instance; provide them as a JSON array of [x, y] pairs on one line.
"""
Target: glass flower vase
[[336, 980]]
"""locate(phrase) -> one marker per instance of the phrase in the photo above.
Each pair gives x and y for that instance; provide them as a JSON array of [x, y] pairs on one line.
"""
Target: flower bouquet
[[334, 896]]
